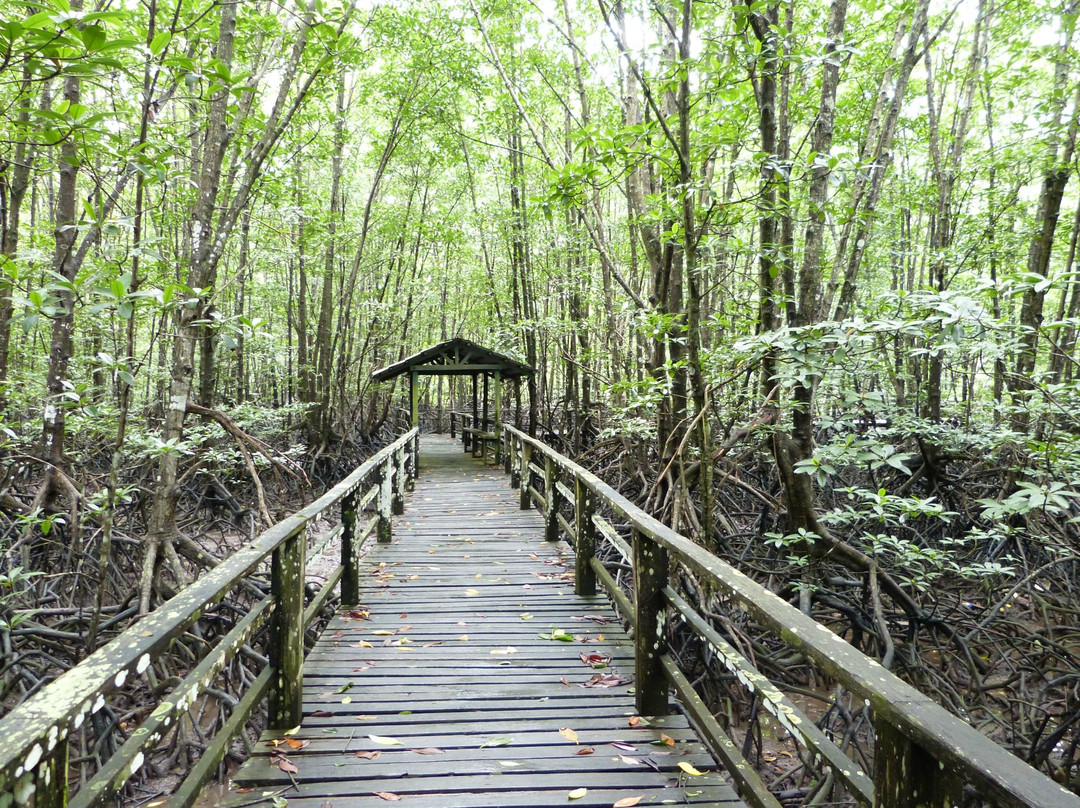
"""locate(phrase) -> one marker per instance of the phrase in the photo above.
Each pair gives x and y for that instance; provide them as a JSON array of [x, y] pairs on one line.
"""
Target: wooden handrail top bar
[[993, 770], [33, 729]]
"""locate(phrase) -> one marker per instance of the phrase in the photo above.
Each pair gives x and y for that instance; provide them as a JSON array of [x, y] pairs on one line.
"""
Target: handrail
[[925, 755], [34, 755]]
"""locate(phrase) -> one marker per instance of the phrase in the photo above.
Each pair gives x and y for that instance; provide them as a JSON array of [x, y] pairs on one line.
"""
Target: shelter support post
[[497, 429], [414, 400]]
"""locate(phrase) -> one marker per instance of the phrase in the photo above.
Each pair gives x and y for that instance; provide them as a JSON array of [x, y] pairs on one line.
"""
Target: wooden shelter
[[459, 357]]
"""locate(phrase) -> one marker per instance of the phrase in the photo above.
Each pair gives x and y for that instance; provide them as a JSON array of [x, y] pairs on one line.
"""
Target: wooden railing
[[923, 755], [34, 754]]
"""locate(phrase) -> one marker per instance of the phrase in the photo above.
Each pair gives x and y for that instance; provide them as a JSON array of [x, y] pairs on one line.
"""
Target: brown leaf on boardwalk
[[284, 764], [569, 734], [321, 714], [595, 660], [295, 744], [585, 750], [428, 750], [389, 796], [627, 802], [610, 680], [368, 755]]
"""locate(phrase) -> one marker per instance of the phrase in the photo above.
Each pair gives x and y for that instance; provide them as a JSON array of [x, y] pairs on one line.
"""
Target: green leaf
[[94, 36], [160, 42]]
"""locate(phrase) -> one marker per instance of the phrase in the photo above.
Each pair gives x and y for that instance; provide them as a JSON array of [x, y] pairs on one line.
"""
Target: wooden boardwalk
[[439, 692]]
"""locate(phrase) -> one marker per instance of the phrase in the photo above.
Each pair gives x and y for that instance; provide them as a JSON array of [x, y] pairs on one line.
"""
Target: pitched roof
[[455, 357]]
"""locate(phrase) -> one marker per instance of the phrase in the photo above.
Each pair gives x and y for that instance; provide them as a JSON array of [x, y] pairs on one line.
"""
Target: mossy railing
[[34, 754], [924, 757]]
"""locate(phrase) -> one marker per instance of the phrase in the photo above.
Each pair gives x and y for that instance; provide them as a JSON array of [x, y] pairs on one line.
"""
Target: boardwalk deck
[[445, 696]]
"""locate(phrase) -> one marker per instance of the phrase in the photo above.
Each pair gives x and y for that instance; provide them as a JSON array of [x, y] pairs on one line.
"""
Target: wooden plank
[[458, 650], [595, 798]]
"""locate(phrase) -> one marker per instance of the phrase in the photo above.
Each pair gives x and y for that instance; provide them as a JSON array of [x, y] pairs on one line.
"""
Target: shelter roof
[[455, 357]]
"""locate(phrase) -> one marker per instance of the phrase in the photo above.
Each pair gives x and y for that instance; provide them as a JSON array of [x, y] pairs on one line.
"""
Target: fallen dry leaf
[[295, 744], [585, 750], [629, 761], [368, 755], [569, 734], [428, 750], [389, 796], [627, 802], [686, 767], [577, 793], [385, 741], [626, 747], [284, 764]]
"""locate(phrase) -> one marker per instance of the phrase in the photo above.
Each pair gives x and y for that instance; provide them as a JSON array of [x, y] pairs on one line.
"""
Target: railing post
[[384, 501], [585, 530], [551, 500], [905, 776], [286, 651], [508, 450], [51, 778], [466, 435], [415, 468], [515, 460], [398, 462], [350, 552], [525, 500], [650, 633], [453, 425]]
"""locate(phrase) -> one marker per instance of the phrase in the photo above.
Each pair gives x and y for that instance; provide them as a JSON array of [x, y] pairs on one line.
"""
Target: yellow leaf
[[686, 767], [569, 734], [472, 593], [394, 741], [577, 793]]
